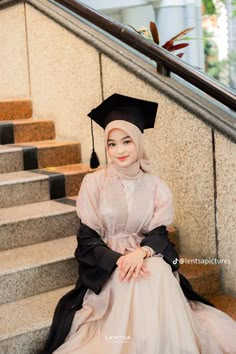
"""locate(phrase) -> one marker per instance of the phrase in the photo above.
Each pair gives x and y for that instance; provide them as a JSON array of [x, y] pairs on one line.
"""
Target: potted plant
[[170, 45]]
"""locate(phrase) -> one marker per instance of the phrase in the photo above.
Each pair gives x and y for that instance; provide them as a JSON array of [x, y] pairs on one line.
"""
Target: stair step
[[25, 323], [37, 222], [26, 130], [205, 279], [225, 303], [55, 153], [11, 159], [15, 109], [30, 270], [24, 187], [74, 174], [38, 154]]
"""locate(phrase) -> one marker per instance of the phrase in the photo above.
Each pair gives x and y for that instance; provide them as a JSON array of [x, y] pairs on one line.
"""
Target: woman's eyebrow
[[121, 139]]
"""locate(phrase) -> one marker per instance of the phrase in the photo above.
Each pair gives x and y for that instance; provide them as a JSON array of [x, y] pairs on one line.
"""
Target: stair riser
[[73, 183], [173, 236], [26, 343], [206, 285], [37, 280], [24, 193], [28, 232], [46, 187], [18, 109], [59, 156], [11, 161], [16, 132], [34, 132]]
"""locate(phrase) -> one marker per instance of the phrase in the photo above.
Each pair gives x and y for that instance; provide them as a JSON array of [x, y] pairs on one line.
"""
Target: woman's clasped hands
[[131, 265]]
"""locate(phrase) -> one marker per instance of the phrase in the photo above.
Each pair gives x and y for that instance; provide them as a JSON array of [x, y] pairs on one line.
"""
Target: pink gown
[[146, 316]]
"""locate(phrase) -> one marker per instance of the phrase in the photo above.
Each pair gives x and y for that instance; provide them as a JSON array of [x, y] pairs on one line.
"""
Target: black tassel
[[94, 160]]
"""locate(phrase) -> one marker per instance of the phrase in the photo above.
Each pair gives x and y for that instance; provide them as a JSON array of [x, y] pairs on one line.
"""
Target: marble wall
[[14, 76]]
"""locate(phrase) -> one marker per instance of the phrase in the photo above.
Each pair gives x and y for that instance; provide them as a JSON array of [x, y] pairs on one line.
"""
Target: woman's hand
[[131, 265]]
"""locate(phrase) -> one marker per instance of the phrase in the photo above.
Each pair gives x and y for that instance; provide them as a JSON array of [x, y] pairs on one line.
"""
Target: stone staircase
[[39, 181]]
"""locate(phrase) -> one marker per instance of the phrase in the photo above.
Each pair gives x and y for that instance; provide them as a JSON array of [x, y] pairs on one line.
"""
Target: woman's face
[[121, 148]]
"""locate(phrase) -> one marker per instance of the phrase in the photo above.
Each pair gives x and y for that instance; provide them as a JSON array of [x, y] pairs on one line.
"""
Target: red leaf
[[178, 46], [154, 32], [168, 45], [181, 34], [180, 55]]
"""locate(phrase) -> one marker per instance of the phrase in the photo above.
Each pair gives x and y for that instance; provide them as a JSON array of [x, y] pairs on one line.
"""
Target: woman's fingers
[[120, 261], [129, 274], [136, 271], [141, 271], [145, 270], [144, 274], [123, 271], [126, 272]]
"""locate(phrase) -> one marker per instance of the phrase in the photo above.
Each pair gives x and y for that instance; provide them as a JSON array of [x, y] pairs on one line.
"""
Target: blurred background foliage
[[223, 70]]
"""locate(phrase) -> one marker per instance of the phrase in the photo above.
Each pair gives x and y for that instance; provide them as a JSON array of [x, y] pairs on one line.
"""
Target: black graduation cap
[[119, 107]]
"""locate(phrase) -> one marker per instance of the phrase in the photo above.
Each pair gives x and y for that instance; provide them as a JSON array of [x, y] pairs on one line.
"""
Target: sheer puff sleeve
[[87, 202], [96, 260], [156, 234], [163, 205]]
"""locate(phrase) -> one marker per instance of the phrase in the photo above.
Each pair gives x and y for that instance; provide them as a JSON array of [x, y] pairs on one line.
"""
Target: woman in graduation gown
[[130, 297]]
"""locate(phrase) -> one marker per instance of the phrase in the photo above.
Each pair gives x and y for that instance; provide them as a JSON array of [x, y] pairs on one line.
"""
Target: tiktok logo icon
[[175, 261]]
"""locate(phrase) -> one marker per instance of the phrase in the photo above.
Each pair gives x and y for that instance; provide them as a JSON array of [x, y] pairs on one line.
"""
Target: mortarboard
[[119, 107]]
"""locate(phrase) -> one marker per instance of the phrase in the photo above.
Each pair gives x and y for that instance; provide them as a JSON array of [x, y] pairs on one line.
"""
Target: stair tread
[[29, 314], [20, 177], [9, 148], [33, 175], [33, 210], [47, 143], [27, 257], [26, 121], [41, 144], [69, 169]]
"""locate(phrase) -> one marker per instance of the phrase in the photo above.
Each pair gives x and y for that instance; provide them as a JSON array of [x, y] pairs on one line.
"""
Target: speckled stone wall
[[65, 80], [226, 206], [14, 82]]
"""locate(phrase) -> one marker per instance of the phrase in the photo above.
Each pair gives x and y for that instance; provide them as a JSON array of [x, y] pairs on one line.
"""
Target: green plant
[[209, 7], [213, 66], [234, 7]]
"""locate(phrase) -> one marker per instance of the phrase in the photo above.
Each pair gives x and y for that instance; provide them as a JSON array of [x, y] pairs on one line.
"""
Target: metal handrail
[[154, 52]]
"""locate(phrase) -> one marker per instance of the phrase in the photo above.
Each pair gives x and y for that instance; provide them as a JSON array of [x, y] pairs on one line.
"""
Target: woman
[[130, 297]]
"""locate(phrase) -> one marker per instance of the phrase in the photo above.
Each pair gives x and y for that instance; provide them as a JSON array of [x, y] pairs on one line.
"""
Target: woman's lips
[[122, 158]]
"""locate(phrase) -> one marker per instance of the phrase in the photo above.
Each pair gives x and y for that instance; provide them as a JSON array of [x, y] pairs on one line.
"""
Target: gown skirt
[[150, 315]]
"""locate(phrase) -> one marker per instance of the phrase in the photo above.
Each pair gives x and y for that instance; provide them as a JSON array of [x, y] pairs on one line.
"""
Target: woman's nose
[[120, 148]]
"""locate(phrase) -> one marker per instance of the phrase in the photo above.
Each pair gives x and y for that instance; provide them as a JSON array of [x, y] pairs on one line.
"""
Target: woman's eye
[[110, 144], [127, 141]]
